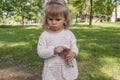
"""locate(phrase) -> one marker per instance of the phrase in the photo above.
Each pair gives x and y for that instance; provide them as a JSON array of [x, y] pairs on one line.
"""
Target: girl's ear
[[65, 23]]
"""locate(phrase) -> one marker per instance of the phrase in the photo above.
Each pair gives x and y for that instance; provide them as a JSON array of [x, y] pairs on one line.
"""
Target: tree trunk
[[90, 23], [115, 10], [76, 19], [3, 21]]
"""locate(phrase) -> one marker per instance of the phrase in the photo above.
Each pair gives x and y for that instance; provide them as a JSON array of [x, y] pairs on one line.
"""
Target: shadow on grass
[[20, 63]]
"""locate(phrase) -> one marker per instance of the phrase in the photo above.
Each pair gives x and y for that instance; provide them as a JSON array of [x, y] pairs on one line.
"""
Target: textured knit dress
[[55, 66]]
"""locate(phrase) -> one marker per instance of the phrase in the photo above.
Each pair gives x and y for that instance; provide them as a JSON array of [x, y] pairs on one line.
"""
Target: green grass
[[98, 59]]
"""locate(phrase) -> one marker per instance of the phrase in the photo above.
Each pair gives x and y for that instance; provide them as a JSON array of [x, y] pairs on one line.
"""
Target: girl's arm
[[42, 49], [73, 45]]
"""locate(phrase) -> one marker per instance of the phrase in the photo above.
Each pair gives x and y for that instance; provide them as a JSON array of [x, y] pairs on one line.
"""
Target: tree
[[25, 8], [91, 3], [115, 10], [6, 9], [103, 9]]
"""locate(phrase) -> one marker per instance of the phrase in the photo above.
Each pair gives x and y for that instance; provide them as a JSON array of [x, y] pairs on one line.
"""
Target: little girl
[[55, 38]]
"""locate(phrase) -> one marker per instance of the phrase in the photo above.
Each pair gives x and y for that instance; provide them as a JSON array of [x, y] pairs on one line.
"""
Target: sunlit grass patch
[[112, 67]]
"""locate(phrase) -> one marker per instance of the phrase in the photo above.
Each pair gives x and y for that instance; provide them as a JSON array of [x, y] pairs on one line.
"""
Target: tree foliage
[[100, 8], [32, 9], [103, 8], [25, 8]]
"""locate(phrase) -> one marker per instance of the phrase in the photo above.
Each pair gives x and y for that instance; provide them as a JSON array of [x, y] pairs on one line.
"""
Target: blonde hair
[[56, 8]]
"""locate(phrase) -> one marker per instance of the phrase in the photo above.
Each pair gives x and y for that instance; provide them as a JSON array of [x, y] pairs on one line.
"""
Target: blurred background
[[31, 11]]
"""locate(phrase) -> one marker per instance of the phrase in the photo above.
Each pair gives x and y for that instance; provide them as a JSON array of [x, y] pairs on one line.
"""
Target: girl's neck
[[55, 31]]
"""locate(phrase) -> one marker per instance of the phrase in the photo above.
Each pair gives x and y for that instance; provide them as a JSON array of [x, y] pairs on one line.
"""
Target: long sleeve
[[73, 43], [43, 50]]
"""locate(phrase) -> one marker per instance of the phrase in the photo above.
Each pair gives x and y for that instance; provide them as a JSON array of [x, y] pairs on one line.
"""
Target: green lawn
[[98, 59]]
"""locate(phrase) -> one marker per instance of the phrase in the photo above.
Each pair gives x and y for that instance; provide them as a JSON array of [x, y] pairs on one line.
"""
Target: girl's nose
[[53, 22]]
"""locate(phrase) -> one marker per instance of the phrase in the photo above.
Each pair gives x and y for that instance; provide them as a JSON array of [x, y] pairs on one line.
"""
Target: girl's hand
[[70, 56], [59, 49]]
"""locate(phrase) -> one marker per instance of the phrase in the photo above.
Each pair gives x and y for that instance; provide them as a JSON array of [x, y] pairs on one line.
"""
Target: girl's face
[[56, 23]]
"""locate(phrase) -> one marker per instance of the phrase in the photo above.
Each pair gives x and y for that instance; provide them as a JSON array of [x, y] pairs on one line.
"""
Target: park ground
[[98, 59]]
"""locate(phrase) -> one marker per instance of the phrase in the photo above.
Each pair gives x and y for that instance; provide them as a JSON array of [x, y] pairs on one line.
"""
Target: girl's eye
[[58, 19], [50, 19], [54, 19]]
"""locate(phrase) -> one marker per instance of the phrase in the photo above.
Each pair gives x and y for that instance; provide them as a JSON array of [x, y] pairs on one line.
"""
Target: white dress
[[55, 66]]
